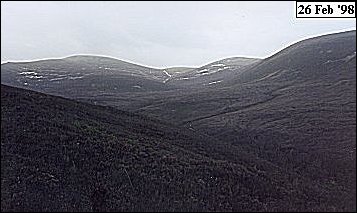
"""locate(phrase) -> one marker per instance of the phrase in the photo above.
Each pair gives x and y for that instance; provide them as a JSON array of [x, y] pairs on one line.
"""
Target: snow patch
[[34, 76], [201, 71], [211, 71], [271, 75], [345, 59], [214, 82], [57, 79], [220, 69], [28, 73], [217, 65], [58, 75], [167, 73], [72, 78], [349, 57]]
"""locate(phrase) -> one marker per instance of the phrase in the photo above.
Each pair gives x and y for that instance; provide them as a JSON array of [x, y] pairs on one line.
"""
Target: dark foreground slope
[[62, 155]]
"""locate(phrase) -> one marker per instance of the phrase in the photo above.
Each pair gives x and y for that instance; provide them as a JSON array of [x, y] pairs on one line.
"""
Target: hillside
[[213, 73], [296, 109], [63, 155], [83, 76], [278, 133], [178, 70]]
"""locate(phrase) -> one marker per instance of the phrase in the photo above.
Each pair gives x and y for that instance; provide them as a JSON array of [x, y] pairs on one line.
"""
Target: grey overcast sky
[[156, 34]]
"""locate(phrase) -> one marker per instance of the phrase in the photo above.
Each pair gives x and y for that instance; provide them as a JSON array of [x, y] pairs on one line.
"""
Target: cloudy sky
[[156, 34]]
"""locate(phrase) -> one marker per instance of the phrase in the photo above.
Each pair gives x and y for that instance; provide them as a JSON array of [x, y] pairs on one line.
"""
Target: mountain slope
[[296, 109], [178, 70], [83, 76], [213, 73], [289, 119], [62, 155], [108, 81], [310, 59]]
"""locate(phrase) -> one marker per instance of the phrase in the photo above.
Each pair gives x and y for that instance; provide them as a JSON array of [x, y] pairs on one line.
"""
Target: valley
[[238, 134]]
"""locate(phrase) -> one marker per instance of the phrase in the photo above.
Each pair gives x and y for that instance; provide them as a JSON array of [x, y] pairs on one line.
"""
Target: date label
[[325, 9]]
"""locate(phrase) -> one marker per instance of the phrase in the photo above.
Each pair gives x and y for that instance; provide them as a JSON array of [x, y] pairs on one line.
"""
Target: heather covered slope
[[58, 154], [296, 109]]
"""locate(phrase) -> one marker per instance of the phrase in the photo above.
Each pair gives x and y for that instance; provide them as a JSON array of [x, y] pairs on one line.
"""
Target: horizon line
[[173, 66]]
